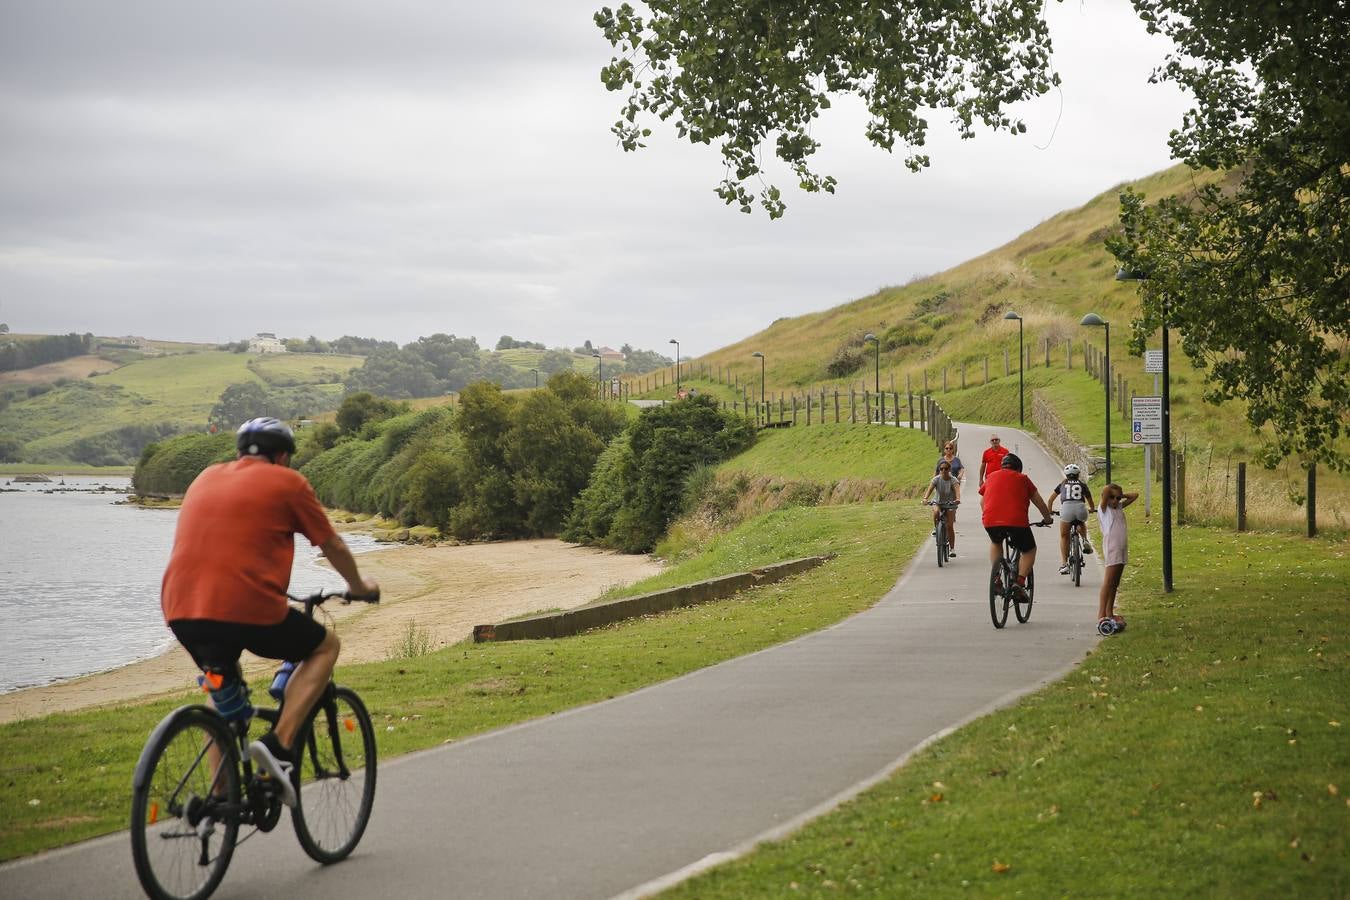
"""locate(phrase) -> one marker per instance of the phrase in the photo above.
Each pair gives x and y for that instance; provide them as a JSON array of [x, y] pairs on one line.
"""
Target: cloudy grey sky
[[203, 171]]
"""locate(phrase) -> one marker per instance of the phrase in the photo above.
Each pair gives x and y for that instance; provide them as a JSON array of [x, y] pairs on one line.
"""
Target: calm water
[[79, 579]]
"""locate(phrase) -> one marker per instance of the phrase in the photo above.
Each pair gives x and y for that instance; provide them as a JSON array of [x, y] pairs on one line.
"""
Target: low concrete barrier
[[575, 621]]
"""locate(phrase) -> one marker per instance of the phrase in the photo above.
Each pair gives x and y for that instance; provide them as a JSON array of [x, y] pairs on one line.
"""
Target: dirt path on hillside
[[76, 367], [442, 591]]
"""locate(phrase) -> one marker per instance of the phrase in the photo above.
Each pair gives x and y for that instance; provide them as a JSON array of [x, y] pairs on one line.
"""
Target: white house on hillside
[[265, 342]]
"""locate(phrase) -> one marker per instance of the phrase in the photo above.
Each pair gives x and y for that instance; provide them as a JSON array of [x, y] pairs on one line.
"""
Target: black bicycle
[[1003, 585], [195, 787], [944, 549], [1075, 553]]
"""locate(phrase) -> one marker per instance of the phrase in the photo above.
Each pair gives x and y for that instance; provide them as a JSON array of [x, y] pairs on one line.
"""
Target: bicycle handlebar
[[318, 597]]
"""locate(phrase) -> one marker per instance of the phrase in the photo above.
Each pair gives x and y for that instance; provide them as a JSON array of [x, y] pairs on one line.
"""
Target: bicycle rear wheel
[[336, 756], [998, 594], [941, 538], [1076, 559], [185, 806], [1022, 608]]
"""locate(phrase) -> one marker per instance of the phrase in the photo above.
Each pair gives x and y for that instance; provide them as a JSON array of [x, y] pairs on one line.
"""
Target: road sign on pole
[[1152, 361], [1146, 413]]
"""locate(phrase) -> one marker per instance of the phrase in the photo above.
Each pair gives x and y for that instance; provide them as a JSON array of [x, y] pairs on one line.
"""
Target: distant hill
[[1051, 275], [97, 416]]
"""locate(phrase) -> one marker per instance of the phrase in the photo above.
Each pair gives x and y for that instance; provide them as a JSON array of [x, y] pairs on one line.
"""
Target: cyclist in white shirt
[[1075, 501]]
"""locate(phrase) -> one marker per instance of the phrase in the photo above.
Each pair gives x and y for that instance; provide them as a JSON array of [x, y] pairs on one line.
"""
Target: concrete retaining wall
[[575, 621]]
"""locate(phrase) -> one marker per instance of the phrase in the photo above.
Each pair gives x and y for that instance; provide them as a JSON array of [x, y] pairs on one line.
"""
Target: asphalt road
[[623, 796]]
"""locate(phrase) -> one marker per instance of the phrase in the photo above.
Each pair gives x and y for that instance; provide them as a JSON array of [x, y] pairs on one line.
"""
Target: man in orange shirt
[[1007, 492], [224, 590]]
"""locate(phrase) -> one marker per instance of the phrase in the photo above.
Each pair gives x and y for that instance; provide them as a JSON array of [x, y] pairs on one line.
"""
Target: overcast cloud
[[203, 171]]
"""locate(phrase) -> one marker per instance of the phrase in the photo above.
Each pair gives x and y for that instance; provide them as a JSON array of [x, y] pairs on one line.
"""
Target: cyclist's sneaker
[[1087, 548], [1019, 593], [1064, 569], [951, 554], [273, 760]]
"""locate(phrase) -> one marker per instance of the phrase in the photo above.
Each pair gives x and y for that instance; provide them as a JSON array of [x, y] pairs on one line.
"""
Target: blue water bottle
[[278, 688]]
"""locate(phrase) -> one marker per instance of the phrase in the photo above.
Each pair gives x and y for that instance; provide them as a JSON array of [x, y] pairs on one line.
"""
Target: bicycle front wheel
[[185, 806], [998, 596], [1076, 561], [336, 755], [1023, 607]]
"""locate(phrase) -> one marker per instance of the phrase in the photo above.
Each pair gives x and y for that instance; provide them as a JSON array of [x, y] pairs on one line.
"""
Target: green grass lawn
[[1203, 752], [303, 368], [78, 765], [718, 391], [898, 457]]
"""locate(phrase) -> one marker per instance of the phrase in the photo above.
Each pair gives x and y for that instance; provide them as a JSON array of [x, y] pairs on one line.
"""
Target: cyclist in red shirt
[[1007, 492], [992, 458], [224, 590]]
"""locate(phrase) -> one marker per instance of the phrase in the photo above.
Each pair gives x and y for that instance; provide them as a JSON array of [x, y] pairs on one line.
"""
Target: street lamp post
[[1093, 320], [876, 386], [677, 365], [1021, 384], [1130, 275], [761, 376], [600, 377]]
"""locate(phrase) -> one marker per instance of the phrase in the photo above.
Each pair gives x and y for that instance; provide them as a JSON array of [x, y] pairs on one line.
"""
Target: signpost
[[1153, 361], [1146, 416]]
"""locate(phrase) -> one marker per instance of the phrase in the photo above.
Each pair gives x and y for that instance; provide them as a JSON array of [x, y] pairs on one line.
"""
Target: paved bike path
[[604, 799]]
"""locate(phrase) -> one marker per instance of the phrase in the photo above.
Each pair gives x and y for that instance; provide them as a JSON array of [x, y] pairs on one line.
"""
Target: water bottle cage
[[229, 694]]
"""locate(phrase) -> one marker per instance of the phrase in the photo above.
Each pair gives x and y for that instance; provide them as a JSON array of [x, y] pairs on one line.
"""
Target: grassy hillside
[[1052, 276]]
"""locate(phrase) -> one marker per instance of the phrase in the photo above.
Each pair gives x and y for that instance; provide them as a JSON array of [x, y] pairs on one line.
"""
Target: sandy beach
[[444, 591]]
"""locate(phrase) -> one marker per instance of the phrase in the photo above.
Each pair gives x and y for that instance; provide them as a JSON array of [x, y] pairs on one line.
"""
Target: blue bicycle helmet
[[264, 436], [1012, 461]]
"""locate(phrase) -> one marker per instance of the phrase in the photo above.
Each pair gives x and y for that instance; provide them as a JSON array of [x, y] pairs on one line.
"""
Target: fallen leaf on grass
[[999, 867], [1333, 790], [933, 798]]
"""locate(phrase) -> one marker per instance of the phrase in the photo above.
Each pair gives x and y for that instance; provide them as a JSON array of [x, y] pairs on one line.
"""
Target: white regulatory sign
[[1153, 361], [1147, 415]]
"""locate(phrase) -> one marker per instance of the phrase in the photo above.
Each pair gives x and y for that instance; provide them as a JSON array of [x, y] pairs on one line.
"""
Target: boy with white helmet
[[1075, 501]]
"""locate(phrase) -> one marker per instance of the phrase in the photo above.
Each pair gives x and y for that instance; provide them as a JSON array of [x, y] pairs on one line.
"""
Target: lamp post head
[[595, 356], [1012, 315], [869, 337], [1093, 320], [758, 354], [672, 341]]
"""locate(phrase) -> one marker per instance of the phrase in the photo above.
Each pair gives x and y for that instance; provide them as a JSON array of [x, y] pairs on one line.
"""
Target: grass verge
[[1202, 752], [67, 777]]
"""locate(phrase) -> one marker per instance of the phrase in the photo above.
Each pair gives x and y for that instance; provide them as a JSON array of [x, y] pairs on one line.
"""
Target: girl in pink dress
[[1115, 544]]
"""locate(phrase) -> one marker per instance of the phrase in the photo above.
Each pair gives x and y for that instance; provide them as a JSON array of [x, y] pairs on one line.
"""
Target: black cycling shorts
[[1021, 537], [217, 645]]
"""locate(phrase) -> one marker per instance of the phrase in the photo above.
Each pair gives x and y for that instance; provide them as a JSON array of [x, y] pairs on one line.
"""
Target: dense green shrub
[[169, 466], [643, 488]]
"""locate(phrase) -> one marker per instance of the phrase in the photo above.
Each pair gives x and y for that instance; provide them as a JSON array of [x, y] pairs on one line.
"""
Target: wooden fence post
[[963, 376], [1006, 370], [808, 409], [986, 370], [852, 407], [925, 382], [1242, 497], [923, 412], [895, 404], [1047, 353], [944, 379], [867, 406], [836, 406], [881, 408], [1181, 485], [1312, 499], [911, 408], [794, 409]]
